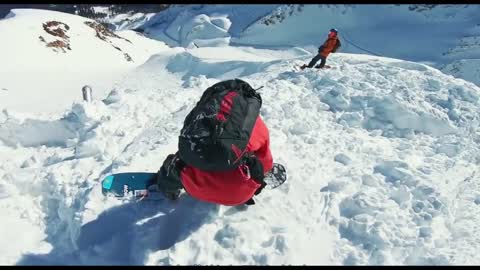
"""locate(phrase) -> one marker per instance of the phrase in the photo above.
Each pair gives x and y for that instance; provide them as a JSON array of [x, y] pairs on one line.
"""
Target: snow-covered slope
[[48, 56], [382, 154], [436, 34], [129, 21], [444, 36], [382, 157]]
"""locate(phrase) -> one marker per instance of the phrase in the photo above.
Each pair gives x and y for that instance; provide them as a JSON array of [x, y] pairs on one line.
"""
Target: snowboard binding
[[276, 176]]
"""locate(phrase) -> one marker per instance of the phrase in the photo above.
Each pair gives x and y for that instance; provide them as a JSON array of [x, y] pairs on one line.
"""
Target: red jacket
[[328, 46], [230, 187]]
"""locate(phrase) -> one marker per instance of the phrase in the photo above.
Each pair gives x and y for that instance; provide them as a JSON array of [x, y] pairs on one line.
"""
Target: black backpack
[[216, 132]]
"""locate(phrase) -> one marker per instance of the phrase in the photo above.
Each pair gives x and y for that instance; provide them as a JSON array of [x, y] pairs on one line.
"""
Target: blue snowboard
[[142, 184]]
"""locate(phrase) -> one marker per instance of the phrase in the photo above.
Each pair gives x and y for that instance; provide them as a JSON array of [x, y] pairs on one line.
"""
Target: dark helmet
[[333, 30]]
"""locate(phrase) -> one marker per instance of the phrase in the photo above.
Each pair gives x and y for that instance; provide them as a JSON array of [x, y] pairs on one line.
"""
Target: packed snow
[[382, 158]]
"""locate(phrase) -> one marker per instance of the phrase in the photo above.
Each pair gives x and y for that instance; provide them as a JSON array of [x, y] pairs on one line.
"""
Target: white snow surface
[[382, 157], [36, 78]]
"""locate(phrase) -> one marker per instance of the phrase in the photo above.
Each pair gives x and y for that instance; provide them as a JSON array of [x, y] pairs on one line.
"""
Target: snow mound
[[200, 30], [203, 25], [220, 70], [190, 29]]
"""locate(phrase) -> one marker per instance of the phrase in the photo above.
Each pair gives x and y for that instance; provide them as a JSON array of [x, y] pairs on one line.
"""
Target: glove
[[168, 177], [173, 163], [320, 49], [256, 171], [255, 167]]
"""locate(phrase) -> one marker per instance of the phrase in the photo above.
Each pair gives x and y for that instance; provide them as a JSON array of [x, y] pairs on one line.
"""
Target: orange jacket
[[230, 187], [328, 46]]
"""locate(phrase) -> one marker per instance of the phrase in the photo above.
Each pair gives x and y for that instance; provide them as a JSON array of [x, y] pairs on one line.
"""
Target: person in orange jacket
[[329, 46], [232, 187]]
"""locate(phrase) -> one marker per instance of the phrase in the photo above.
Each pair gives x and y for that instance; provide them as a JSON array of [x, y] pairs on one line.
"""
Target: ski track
[[370, 180]]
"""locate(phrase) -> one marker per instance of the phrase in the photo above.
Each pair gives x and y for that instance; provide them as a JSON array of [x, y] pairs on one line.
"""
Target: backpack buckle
[[245, 171], [218, 132]]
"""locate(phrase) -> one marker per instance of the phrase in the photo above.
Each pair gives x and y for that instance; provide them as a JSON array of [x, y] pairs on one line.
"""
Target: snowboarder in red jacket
[[233, 187], [329, 46]]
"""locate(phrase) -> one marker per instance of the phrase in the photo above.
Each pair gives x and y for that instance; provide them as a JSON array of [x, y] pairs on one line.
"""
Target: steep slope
[[48, 56], [397, 31], [445, 36], [382, 157], [440, 35], [466, 57]]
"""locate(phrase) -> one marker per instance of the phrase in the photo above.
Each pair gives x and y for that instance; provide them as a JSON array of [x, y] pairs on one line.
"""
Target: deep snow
[[382, 157]]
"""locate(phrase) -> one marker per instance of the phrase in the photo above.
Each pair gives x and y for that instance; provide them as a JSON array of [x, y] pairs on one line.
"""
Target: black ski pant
[[315, 60]]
